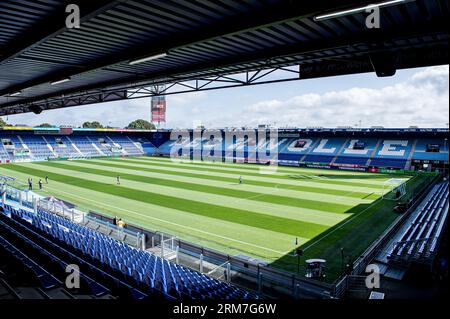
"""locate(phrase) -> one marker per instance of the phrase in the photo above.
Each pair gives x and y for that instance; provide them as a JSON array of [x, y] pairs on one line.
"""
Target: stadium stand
[[131, 148], [38, 146], [294, 150], [4, 156], [45, 266], [347, 150], [203, 42], [62, 146], [357, 151], [392, 154], [369, 150], [165, 148], [431, 149], [101, 144], [418, 241], [85, 146], [111, 266], [325, 150], [33, 147]]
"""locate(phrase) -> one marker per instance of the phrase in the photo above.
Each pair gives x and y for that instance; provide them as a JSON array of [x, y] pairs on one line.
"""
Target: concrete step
[[29, 293]]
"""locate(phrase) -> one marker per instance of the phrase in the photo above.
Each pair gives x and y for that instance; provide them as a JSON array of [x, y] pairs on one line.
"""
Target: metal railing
[[266, 280], [33, 202], [59, 210]]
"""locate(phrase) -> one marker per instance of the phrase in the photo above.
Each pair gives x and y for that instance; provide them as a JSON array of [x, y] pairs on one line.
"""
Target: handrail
[[111, 225]]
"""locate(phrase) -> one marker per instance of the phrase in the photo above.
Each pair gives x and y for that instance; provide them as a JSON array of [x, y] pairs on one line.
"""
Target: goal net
[[393, 189], [220, 272], [168, 248]]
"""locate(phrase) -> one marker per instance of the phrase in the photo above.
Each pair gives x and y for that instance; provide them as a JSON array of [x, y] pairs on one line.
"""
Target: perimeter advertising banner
[[345, 167], [159, 109]]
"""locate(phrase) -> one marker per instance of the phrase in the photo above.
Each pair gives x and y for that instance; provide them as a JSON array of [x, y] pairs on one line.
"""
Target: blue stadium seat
[[141, 271]]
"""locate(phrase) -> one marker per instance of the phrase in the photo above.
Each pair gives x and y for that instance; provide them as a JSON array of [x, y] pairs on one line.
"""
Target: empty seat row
[[139, 268], [75, 146], [59, 257], [39, 252], [421, 235]]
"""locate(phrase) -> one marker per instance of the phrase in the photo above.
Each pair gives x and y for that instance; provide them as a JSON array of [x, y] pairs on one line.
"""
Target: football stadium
[[255, 212]]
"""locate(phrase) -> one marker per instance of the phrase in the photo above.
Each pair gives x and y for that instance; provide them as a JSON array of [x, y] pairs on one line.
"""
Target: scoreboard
[[158, 109], [65, 130], [54, 131]]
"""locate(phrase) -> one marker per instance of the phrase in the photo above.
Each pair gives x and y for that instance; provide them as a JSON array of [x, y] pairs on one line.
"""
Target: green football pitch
[[265, 217]]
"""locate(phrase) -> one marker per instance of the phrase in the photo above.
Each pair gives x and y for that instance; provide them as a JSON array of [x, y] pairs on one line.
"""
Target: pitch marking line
[[276, 189], [175, 224], [347, 221]]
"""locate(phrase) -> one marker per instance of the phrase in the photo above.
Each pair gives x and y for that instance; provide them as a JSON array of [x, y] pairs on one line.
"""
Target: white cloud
[[118, 113], [422, 100]]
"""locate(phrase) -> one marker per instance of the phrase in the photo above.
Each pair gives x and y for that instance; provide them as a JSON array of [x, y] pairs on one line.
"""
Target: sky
[[415, 97]]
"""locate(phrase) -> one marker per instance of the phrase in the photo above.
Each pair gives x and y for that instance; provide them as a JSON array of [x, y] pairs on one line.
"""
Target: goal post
[[393, 189], [221, 272], [168, 248]]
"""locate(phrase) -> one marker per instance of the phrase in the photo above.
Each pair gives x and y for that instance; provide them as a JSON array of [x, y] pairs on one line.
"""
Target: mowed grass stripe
[[313, 179], [266, 182], [287, 169], [355, 235], [309, 183], [272, 223], [280, 210], [205, 231], [332, 179], [358, 176], [207, 185], [210, 181]]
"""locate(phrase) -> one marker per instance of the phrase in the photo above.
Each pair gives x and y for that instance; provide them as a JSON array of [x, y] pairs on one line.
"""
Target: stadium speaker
[[384, 63], [35, 109], [299, 251]]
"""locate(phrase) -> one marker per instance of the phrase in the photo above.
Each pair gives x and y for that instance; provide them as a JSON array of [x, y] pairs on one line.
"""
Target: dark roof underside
[[202, 38]]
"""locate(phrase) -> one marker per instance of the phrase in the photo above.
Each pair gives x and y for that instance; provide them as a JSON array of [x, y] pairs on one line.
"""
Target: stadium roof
[[44, 65]]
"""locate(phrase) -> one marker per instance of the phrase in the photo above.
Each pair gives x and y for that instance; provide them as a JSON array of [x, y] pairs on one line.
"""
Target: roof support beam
[[407, 59], [50, 26], [284, 10], [370, 41]]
